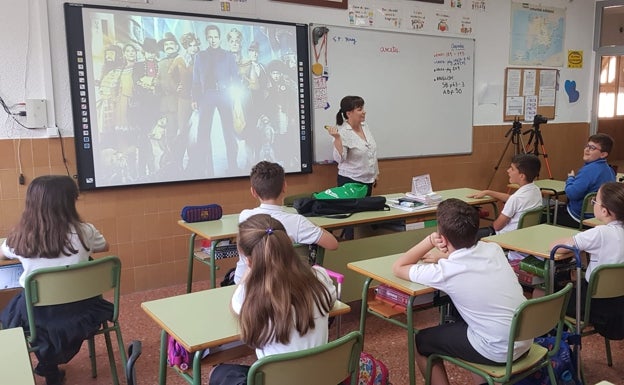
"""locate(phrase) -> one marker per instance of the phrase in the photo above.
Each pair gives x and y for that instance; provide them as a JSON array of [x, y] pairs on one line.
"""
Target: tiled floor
[[382, 339]]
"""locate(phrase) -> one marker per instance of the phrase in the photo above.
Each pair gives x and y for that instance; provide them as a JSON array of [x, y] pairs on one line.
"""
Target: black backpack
[[338, 208]]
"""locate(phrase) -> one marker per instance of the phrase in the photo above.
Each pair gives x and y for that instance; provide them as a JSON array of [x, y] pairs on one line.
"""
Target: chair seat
[[535, 354]]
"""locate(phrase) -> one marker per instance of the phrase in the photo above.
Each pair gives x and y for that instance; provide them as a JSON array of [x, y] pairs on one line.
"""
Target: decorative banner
[[418, 20], [361, 15]]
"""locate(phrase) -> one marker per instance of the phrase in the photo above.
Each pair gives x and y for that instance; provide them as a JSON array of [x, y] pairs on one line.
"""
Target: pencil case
[[210, 212]]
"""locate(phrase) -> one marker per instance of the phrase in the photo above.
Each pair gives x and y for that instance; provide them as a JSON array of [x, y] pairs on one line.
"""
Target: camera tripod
[[515, 138], [536, 135]]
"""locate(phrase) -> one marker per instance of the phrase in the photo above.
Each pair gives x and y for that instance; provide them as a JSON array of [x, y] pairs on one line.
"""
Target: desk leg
[[197, 367], [364, 307], [213, 264], [162, 363], [191, 258], [410, 341]]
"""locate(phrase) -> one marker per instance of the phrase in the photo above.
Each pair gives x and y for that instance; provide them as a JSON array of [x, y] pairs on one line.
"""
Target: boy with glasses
[[589, 178]]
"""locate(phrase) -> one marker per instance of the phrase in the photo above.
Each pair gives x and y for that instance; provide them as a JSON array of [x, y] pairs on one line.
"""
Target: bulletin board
[[530, 92]]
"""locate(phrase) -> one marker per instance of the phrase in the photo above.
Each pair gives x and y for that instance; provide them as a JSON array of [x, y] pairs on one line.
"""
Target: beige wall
[[140, 222]]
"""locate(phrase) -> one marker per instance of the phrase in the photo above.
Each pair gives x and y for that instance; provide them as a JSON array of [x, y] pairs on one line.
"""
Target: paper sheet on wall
[[515, 106]]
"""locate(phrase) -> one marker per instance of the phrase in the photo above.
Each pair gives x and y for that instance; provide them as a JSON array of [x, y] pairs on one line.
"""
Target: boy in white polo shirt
[[268, 185], [523, 170], [480, 283]]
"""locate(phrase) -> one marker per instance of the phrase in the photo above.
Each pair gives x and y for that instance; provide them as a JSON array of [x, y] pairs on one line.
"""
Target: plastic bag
[[347, 190]]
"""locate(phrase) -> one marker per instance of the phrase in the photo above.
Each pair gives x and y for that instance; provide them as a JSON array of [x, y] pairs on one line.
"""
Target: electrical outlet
[[36, 113]]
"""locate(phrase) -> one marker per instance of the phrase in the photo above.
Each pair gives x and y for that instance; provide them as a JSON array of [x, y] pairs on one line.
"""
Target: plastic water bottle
[[567, 378]]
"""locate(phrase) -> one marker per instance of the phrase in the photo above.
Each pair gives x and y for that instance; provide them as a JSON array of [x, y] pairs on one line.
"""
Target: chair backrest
[[587, 207], [531, 217], [326, 364], [71, 283], [134, 352], [607, 281], [536, 317]]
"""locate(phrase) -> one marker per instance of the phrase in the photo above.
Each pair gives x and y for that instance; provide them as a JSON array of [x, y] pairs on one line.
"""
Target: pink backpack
[[177, 355], [372, 372]]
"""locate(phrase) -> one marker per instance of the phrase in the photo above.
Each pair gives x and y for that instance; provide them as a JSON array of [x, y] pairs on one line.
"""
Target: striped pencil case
[[210, 212]]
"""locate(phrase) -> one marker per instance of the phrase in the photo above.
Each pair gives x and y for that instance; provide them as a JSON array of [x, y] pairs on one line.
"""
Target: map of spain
[[537, 35]]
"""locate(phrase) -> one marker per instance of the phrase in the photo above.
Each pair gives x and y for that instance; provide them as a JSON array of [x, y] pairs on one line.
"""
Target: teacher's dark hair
[[348, 103]]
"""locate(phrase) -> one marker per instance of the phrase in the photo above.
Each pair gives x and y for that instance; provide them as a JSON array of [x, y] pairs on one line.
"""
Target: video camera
[[539, 119]]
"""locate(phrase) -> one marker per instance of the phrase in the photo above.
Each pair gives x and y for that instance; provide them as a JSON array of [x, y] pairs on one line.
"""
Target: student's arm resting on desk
[[421, 252], [494, 194]]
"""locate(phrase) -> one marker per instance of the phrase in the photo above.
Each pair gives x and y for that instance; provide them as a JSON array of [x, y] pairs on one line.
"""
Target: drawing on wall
[[570, 88]]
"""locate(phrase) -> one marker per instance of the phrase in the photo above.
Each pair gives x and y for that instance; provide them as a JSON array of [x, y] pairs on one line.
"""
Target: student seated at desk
[[268, 185], [479, 281], [523, 170], [605, 244], [589, 178], [283, 304], [51, 233]]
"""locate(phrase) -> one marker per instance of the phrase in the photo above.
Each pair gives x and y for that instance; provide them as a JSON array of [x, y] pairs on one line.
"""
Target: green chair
[[65, 284], [587, 207], [327, 364], [605, 282], [531, 217], [533, 318]]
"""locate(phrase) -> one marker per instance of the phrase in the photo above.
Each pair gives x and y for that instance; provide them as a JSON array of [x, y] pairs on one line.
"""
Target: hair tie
[[269, 231]]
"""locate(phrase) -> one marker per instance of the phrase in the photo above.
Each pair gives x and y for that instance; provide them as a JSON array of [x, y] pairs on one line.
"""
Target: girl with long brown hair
[[282, 303]]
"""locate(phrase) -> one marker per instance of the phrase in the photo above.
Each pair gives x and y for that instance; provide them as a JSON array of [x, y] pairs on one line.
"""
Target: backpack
[[177, 355], [372, 372], [564, 363], [339, 208]]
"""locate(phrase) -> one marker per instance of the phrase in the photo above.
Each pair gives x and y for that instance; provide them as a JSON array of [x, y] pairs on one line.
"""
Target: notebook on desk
[[9, 275]]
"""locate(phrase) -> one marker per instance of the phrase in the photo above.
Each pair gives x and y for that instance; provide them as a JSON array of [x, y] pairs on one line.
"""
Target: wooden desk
[[15, 366], [550, 188], [592, 222], [535, 240], [227, 228], [380, 269], [199, 321]]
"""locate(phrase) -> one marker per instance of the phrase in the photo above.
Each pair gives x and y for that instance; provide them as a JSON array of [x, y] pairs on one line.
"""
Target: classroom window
[[611, 97]]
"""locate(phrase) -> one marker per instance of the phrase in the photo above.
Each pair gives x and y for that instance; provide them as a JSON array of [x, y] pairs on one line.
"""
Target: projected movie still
[[163, 97]]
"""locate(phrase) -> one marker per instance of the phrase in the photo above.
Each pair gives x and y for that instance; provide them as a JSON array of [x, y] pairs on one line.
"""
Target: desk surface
[[550, 186], [592, 222], [15, 366], [533, 240], [203, 319], [227, 226], [380, 269]]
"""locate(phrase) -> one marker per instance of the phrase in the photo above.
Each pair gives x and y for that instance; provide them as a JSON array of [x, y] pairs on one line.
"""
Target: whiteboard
[[418, 90]]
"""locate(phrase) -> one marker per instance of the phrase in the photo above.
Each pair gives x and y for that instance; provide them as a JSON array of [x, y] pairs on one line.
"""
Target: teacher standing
[[355, 149]]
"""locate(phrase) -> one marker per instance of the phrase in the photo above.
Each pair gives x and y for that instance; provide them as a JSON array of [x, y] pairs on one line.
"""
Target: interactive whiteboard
[[418, 89]]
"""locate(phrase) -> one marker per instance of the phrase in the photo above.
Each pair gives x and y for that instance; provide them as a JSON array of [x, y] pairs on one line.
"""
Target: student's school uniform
[[298, 228], [232, 374], [526, 198], [61, 329], [605, 245], [485, 292]]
